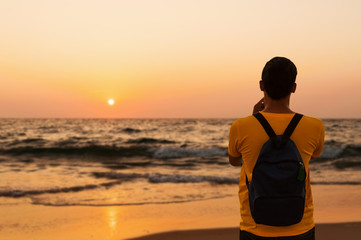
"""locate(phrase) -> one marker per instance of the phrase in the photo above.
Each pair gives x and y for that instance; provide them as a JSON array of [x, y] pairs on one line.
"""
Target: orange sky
[[163, 58]]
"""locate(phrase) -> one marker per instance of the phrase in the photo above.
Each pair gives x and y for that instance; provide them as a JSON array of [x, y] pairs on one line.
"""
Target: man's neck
[[277, 106]]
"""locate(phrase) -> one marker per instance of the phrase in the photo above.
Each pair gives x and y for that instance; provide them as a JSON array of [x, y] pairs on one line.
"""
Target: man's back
[[246, 139]]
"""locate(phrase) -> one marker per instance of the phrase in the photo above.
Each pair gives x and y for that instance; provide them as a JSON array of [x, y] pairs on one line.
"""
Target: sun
[[111, 102]]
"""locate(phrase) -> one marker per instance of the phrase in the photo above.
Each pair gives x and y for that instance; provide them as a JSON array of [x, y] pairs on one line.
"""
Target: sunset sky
[[167, 58]]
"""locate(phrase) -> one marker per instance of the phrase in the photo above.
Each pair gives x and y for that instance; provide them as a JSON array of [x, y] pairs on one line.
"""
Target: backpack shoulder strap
[[265, 124], [291, 126]]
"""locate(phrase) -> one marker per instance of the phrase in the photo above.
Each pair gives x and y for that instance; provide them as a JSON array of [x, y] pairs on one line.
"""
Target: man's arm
[[235, 161], [318, 150]]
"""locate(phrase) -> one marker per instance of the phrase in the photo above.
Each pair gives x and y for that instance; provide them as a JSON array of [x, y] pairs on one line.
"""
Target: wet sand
[[220, 217]]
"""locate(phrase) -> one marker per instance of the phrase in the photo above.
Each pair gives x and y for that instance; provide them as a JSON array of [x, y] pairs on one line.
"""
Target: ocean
[[104, 162]]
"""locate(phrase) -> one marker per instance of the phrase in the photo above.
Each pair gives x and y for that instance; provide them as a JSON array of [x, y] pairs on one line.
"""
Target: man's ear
[[261, 85], [294, 88]]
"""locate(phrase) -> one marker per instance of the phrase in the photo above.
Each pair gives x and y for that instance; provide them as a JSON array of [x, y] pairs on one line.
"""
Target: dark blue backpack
[[277, 190]]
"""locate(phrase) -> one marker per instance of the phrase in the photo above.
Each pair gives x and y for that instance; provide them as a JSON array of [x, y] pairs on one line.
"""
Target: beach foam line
[[22, 193], [168, 178]]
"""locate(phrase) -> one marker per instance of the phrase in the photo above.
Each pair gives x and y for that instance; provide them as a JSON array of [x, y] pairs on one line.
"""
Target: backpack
[[277, 189]]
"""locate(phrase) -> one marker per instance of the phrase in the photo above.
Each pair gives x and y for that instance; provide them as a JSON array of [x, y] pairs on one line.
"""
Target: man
[[247, 137]]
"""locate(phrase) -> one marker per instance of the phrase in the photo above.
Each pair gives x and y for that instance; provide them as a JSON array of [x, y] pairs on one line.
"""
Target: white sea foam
[[175, 152], [180, 178], [331, 151], [169, 178]]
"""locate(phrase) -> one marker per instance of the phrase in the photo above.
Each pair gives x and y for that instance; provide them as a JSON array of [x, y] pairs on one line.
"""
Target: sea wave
[[48, 202], [27, 141], [331, 151], [95, 150], [116, 178], [149, 141], [158, 178], [349, 162], [180, 178], [119, 178], [15, 193], [131, 130], [128, 150], [351, 151], [160, 148], [180, 152], [168, 178]]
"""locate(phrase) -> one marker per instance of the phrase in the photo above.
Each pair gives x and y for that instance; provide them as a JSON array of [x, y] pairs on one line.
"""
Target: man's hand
[[259, 106], [235, 161]]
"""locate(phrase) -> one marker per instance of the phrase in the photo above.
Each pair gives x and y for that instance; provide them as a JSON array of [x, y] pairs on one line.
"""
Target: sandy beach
[[337, 214]]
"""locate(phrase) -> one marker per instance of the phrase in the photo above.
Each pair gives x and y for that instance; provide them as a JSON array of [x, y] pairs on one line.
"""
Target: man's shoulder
[[244, 123], [244, 120], [312, 121], [312, 125]]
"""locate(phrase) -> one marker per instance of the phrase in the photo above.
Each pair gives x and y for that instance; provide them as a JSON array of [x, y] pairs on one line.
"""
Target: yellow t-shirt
[[246, 138]]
